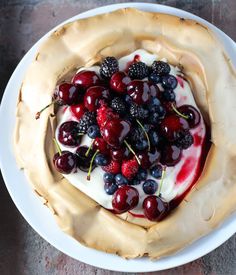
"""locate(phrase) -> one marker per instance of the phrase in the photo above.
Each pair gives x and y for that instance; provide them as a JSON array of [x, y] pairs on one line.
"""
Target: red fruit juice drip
[[136, 215], [180, 81]]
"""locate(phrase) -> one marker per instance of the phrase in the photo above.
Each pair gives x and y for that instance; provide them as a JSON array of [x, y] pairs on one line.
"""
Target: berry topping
[[185, 140], [115, 131], [65, 162], [87, 120], [84, 158], [120, 154], [148, 159], [101, 145], [77, 110], [172, 126], [108, 177], [101, 160], [153, 137], [108, 67], [170, 155], [142, 174], [86, 79], [69, 133], [135, 181], [118, 105], [104, 114], [138, 70], [119, 82], [139, 91], [93, 131], [193, 116], [67, 94], [125, 198], [121, 180], [93, 95], [113, 167], [160, 68], [168, 95], [110, 187], [169, 81], [138, 112], [155, 209], [154, 78], [156, 171], [129, 168], [150, 187]]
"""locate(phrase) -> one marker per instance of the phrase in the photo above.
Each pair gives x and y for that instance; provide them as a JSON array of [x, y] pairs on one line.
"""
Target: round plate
[[36, 213]]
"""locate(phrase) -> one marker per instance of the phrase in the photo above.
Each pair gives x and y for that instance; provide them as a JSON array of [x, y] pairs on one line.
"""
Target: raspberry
[[108, 67], [129, 168], [113, 167], [138, 70], [87, 120], [104, 114]]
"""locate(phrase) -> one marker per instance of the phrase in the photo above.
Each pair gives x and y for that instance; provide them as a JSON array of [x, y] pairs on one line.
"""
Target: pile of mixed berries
[[135, 129]]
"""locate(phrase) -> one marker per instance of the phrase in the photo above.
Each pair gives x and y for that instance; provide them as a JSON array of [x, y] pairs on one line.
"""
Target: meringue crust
[[185, 43]]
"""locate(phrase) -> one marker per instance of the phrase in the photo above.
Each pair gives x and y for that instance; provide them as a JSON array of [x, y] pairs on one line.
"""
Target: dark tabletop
[[22, 23]]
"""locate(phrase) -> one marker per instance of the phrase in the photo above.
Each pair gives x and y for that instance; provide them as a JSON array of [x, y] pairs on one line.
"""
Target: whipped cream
[[177, 179]]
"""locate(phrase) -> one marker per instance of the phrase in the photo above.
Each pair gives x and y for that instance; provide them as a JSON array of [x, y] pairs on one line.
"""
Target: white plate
[[40, 218]]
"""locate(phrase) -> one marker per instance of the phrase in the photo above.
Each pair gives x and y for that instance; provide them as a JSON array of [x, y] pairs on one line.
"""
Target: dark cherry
[[93, 95], [86, 79], [65, 163], [170, 155], [68, 133], [125, 199], [172, 126], [120, 154], [168, 105], [83, 160], [139, 91], [101, 145], [194, 117], [119, 82], [149, 158], [154, 208], [78, 110], [67, 94], [115, 131]]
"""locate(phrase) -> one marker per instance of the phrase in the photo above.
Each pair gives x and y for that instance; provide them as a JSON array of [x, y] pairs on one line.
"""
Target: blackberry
[[86, 120], [160, 67], [185, 140], [138, 70], [118, 105], [138, 112], [109, 66]]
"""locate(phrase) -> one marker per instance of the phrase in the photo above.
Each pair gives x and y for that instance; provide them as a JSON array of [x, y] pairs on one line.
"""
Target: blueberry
[[141, 144], [153, 103], [169, 81], [110, 188], [168, 95], [150, 187], [93, 131], [100, 160], [161, 111], [142, 174], [121, 180], [135, 181], [154, 137], [156, 171], [108, 177], [154, 78], [154, 118]]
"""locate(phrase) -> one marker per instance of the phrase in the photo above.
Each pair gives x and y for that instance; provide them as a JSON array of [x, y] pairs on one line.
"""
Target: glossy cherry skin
[[67, 93], [83, 161], [115, 131], [148, 159], [86, 79], [101, 145], [119, 82], [78, 110], [139, 91], [194, 117], [125, 199], [154, 208], [68, 134], [154, 90], [93, 95], [120, 154], [172, 125], [170, 155], [65, 163]]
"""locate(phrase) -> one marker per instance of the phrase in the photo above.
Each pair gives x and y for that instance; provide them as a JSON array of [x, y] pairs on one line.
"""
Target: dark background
[[22, 23]]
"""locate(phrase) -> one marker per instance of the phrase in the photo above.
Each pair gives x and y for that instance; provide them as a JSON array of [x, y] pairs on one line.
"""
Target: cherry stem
[[132, 151], [146, 134], [89, 149], [37, 116], [91, 165], [57, 146], [162, 180], [178, 112]]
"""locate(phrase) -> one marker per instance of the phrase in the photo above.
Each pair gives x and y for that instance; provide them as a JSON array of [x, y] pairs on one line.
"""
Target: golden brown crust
[[183, 42]]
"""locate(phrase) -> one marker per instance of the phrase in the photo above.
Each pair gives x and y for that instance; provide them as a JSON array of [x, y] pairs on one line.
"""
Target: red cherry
[[148, 159], [119, 82], [65, 163], [170, 155], [172, 126], [67, 93], [101, 145], [154, 208], [194, 117], [78, 110], [93, 95], [68, 133], [139, 91], [115, 131], [86, 79], [120, 154], [125, 198]]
